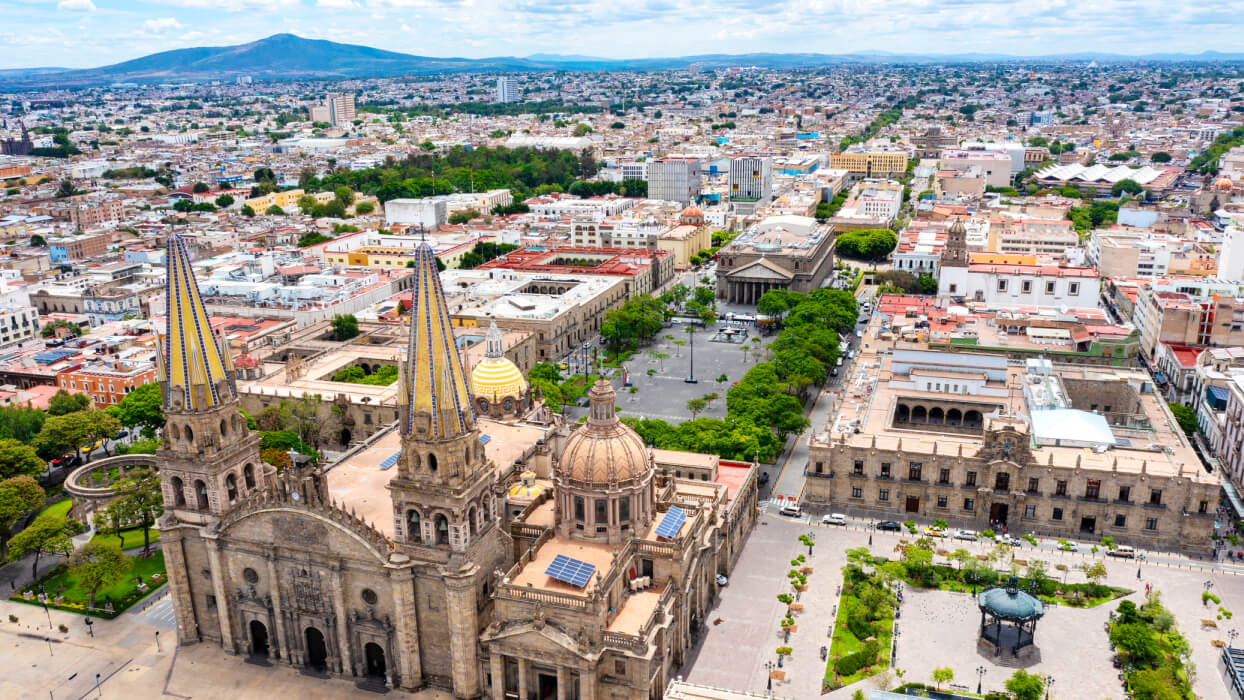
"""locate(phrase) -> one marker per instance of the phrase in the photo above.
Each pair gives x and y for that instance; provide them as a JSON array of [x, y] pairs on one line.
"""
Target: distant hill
[[286, 57]]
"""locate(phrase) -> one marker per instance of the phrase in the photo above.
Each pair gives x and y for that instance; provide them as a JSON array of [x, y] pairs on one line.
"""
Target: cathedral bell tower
[[208, 459], [442, 495]]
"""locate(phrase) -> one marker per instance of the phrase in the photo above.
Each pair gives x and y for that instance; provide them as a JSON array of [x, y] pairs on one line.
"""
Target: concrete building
[[1182, 318], [641, 271], [426, 212], [674, 179], [18, 325], [337, 109], [750, 182], [1036, 285], [984, 442], [107, 381], [1033, 237], [994, 165], [688, 238], [507, 89], [793, 253], [864, 164], [77, 247]]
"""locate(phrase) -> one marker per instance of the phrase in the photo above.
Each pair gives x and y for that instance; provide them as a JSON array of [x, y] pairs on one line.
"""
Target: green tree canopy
[[19, 497], [637, 320], [63, 402], [18, 458], [97, 564], [866, 244], [46, 534], [141, 408], [1025, 686], [140, 501], [1186, 418], [345, 326], [63, 434]]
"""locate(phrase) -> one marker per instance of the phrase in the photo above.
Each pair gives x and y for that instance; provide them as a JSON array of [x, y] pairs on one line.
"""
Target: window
[[619, 668], [1151, 523], [1049, 288], [913, 471], [1001, 285], [1001, 481], [1073, 289], [1026, 286], [1030, 511], [819, 467], [943, 476], [884, 494], [1125, 493], [1092, 489], [1155, 497], [578, 508], [602, 511], [969, 504], [1057, 515], [1060, 488], [885, 470], [857, 492], [1120, 520], [859, 466], [1034, 485], [971, 479], [624, 510], [1204, 507], [249, 575]]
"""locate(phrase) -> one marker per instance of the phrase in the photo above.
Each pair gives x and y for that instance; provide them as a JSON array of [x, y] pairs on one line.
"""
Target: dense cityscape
[[862, 378]]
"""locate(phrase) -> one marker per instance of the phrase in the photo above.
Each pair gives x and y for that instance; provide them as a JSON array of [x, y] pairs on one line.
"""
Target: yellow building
[[870, 164], [286, 200], [688, 238]]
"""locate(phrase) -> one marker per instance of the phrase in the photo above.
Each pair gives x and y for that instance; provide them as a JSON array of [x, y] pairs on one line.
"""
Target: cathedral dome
[[1223, 184], [604, 451], [496, 378]]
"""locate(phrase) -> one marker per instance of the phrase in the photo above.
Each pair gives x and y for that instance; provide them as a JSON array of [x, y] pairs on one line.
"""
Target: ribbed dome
[[604, 450], [1010, 603], [497, 378], [526, 488]]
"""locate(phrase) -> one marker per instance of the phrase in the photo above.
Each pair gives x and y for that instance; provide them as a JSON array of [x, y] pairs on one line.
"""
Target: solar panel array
[[671, 523], [572, 571], [390, 460]]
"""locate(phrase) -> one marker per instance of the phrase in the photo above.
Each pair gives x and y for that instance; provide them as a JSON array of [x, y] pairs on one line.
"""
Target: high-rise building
[[340, 109], [751, 180], [507, 89], [674, 179]]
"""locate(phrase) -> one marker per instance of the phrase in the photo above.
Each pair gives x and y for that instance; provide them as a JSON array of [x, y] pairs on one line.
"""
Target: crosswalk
[[160, 614]]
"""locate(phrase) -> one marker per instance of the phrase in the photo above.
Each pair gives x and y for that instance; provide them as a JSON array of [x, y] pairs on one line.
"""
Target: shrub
[[852, 663], [12, 618], [784, 651], [63, 629]]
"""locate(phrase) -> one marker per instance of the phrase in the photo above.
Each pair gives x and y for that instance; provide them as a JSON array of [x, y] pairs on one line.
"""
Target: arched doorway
[[317, 653], [345, 437], [375, 659], [259, 638]]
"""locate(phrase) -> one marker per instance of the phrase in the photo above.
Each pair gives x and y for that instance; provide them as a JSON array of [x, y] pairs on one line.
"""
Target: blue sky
[[86, 33]]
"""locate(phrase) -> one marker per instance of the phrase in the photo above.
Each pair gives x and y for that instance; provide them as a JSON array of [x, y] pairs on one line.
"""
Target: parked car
[[1069, 546], [722, 580], [969, 535], [1123, 551], [889, 526], [934, 532], [792, 511], [1008, 540], [834, 519]]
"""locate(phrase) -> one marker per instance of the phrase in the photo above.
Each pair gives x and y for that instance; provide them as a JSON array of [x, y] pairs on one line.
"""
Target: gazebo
[[1019, 610]]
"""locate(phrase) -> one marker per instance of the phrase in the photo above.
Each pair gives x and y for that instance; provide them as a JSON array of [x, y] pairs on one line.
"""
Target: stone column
[[343, 623], [563, 683], [179, 584], [222, 599], [281, 647], [524, 668], [463, 631], [407, 628], [587, 683], [498, 676]]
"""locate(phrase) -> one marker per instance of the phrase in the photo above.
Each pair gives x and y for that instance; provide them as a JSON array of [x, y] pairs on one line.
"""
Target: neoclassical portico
[[747, 284]]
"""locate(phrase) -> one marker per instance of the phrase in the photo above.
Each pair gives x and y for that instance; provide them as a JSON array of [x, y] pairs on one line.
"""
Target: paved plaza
[[937, 628]]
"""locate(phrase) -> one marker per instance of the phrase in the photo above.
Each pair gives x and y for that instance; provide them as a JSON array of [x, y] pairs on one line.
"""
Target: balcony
[[1091, 499], [1156, 506], [818, 475]]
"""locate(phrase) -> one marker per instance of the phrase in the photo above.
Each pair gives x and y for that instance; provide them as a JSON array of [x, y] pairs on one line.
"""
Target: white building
[[674, 179], [1231, 254], [427, 212], [1031, 285], [751, 179], [996, 165], [507, 89]]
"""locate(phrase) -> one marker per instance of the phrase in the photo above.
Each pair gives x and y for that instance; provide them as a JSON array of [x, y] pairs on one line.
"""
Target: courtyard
[[937, 628]]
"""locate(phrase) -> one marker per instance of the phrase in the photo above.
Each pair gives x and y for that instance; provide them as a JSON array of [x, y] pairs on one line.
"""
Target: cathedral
[[487, 555]]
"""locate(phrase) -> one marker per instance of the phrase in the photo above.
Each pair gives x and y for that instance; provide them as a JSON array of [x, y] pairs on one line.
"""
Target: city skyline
[[90, 33]]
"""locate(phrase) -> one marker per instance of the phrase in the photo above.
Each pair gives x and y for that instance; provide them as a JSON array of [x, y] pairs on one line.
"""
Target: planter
[[806, 570], [796, 607]]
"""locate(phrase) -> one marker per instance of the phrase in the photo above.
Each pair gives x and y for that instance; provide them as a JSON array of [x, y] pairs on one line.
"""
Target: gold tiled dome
[[604, 450], [497, 378]]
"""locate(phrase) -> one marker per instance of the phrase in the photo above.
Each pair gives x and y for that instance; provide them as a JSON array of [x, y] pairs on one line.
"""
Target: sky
[[89, 33]]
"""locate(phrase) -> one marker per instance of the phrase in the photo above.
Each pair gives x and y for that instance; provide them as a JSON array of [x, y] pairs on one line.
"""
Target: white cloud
[[406, 28], [75, 6], [161, 25], [338, 4]]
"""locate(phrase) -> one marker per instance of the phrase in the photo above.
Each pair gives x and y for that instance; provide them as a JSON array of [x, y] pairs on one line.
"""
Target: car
[[1123, 551], [91, 448], [121, 434], [1069, 546], [889, 526], [563, 366], [969, 535], [722, 580], [834, 519], [1008, 540], [792, 511], [763, 478], [934, 532]]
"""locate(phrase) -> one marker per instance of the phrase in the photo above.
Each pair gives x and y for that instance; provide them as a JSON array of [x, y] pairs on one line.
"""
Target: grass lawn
[[130, 538], [60, 508], [123, 593], [846, 643]]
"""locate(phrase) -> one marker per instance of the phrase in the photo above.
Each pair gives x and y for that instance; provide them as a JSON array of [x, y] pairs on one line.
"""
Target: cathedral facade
[[428, 576]]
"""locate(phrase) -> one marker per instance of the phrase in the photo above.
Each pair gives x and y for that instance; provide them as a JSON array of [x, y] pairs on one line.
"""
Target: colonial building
[[422, 576], [792, 253]]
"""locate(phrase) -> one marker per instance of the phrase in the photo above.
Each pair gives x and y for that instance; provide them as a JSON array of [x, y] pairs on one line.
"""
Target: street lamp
[[691, 341], [90, 629], [1231, 635], [769, 666], [980, 678], [1049, 681]]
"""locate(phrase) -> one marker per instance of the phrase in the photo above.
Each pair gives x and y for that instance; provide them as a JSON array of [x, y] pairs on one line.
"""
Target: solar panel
[[671, 523], [572, 571], [390, 461], [483, 439]]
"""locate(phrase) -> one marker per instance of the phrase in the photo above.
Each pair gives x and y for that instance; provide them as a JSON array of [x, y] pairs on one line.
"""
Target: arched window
[[172, 429], [200, 494], [936, 415], [902, 414], [179, 492], [466, 457], [231, 488], [224, 428], [954, 417], [248, 476], [442, 529], [473, 521], [919, 415], [414, 526], [431, 462], [189, 435]]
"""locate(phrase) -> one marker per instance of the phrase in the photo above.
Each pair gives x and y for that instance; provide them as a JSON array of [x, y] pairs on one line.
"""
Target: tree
[[274, 210], [306, 204], [18, 459], [462, 217], [49, 329], [141, 408], [66, 188], [19, 496], [773, 304], [344, 195], [38, 241], [200, 188], [582, 130], [140, 501], [1160, 157], [1126, 185], [62, 434], [1138, 643], [695, 406], [1025, 686], [97, 564], [47, 534], [866, 244], [345, 326], [926, 283], [1186, 418], [943, 675], [20, 423], [960, 556], [617, 125], [364, 208], [225, 201], [63, 402], [247, 211], [1094, 572]]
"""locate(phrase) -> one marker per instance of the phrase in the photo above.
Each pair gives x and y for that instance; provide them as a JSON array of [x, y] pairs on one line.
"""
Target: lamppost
[[769, 666], [1049, 681], [980, 678], [691, 341], [158, 649], [90, 626], [1231, 635]]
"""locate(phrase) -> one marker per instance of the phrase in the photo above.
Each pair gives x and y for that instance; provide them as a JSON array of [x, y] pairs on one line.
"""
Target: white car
[[1069, 546], [969, 535], [834, 519], [792, 511]]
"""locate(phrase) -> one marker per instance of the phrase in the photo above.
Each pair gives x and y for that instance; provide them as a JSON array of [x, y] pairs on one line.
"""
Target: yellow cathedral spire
[[433, 381], [194, 364]]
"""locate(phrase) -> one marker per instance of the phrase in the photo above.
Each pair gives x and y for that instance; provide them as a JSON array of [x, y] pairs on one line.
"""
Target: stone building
[[981, 441], [792, 253], [420, 576]]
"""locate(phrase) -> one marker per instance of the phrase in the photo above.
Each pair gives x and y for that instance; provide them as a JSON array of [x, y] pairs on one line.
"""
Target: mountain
[[286, 57]]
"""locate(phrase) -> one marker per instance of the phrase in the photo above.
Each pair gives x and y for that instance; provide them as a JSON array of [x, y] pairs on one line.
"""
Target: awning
[[1219, 393], [1233, 498]]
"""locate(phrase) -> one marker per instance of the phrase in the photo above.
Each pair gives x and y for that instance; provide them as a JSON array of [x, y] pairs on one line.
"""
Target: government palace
[[481, 545]]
